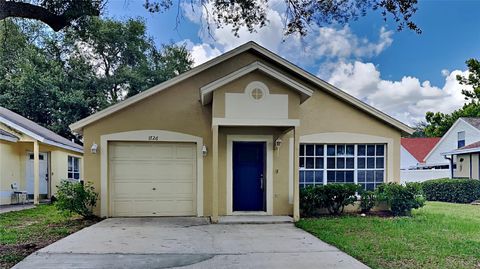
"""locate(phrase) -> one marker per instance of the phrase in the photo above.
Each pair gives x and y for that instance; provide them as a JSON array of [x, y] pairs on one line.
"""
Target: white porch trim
[[255, 122], [207, 90], [269, 170], [144, 135]]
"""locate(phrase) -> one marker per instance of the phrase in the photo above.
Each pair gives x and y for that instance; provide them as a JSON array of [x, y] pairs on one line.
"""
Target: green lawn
[[23, 232], [439, 235]]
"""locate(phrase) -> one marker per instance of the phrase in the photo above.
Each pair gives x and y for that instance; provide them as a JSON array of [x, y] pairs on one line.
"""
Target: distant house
[[414, 150], [34, 159], [467, 161], [463, 132]]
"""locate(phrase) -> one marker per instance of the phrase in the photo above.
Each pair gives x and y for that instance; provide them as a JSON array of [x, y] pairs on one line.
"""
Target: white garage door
[[152, 179]]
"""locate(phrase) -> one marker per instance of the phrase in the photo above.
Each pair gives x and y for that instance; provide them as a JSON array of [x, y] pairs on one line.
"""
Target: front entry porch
[[253, 174]]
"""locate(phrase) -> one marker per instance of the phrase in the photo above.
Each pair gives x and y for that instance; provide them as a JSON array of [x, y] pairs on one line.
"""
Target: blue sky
[[402, 73]]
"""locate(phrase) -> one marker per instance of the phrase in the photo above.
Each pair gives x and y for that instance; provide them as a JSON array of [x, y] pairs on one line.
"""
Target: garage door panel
[[152, 179], [184, 152], [152, 208], [161, 170], [148, 189]]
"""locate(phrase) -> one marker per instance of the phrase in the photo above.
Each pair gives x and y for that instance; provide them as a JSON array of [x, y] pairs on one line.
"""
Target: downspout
[[470, 165], [451, 164]]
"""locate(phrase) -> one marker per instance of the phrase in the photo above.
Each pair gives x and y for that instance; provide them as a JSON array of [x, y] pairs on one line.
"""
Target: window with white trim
[[73, 168], [311, 164], [461, 139], [362, 164]]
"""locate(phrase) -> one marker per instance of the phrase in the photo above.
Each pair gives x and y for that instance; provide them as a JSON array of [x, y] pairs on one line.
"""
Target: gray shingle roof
[[475, 122], [48, 136]]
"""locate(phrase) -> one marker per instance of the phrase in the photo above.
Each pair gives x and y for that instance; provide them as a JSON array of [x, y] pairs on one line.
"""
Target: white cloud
[[445, 72], [407, 99], [201, 52], [322, 43]]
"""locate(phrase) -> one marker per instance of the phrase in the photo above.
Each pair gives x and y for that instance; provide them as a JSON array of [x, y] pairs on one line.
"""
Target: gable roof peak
[[419, 147], [271, 56], [33, 129]]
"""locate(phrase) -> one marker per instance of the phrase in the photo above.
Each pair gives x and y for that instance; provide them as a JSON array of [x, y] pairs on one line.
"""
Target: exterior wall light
[[204, 150], [94, 148], [278, 143]]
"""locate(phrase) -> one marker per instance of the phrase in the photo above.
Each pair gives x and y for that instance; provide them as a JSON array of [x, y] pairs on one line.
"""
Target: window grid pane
[[362, 164], [73, 168], [311, 164]]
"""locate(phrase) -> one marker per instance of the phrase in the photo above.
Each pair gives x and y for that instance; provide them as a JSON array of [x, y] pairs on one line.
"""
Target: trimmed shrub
[[309, 201], [400, 199], [333, 197], [76, 197], [367, 201], [452, 190]]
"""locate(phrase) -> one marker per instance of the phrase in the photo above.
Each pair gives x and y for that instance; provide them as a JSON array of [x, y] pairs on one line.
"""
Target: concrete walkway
[[10, 208], [188, 243]]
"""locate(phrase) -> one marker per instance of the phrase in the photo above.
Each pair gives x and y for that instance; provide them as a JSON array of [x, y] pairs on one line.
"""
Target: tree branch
[[30, 11]]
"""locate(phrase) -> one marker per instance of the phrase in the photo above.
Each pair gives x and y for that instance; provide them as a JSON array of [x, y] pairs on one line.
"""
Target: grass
[[439, 235], [24, 232]]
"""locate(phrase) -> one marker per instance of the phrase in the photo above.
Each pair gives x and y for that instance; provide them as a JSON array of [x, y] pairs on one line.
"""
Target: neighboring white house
[[463, 132], [425, 158]]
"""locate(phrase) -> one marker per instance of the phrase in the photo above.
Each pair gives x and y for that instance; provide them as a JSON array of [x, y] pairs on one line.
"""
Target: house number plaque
[[152, 138]]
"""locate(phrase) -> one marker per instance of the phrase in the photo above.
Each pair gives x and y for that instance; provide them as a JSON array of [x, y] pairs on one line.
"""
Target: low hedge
[[452, 190]]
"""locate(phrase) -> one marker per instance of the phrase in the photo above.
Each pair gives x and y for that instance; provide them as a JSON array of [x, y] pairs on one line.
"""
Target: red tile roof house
[[414, 164], [414, 151]]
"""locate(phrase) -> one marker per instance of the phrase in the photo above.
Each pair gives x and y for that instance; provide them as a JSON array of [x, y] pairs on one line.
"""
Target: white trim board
[[77, 126], [206, 91], [255, 122], [143, 135], [268, 139], [291, 172]]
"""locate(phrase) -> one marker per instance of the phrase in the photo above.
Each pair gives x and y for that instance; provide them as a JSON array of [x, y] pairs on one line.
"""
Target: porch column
[[36, 173], [296, 175], [215, 174]]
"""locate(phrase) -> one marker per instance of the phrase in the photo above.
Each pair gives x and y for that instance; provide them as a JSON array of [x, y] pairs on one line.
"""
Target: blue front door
[[248, 176]]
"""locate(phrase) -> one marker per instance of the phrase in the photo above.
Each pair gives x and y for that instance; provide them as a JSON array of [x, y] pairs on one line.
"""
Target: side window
[[73, 168], [461, 139]]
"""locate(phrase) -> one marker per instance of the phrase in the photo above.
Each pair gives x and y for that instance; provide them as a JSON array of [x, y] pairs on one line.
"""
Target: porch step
[[246, 219]]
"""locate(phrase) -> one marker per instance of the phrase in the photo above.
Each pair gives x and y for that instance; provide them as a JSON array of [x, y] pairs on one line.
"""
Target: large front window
[[362, 164]]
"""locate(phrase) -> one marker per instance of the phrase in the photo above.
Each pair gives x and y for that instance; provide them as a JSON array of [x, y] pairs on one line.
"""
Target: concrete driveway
[[188, 243]]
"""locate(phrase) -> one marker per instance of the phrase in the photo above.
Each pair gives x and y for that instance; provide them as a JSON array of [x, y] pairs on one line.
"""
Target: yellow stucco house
[[34, 159], [239, 134]]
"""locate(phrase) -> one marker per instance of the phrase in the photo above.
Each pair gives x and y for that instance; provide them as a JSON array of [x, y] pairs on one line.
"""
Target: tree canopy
[[56, 79], [437, 124], [252, 14]]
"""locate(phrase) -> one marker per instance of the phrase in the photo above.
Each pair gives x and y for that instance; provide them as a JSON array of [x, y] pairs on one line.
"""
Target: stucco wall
[[13, 165], [178, 109], [323, 113], [9, 170]]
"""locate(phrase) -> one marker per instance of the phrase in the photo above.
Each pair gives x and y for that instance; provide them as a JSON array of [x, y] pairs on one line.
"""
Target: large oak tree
[[252, 14]]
